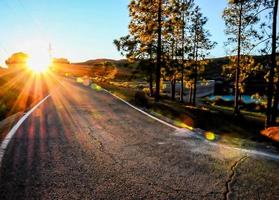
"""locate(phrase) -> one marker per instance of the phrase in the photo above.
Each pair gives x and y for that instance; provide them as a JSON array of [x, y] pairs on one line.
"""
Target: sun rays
[[22, 88], [39, 64]]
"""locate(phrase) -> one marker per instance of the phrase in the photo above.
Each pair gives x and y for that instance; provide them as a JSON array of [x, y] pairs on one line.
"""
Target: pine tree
[[186, 12], [240, 16], [140, 43], [177, 12], [273, 63], [268, 29], [159, 49], [146, 27], [248, 67], [200, 44]]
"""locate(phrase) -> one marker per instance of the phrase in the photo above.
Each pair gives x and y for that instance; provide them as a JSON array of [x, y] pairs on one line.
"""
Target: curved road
[[85, 144]]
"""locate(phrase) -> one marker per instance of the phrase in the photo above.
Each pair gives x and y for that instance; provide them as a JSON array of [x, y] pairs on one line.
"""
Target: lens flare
[[38, 64], [210, 136]]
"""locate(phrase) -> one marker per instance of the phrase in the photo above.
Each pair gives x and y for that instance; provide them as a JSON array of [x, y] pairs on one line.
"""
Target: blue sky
[[79, 29]]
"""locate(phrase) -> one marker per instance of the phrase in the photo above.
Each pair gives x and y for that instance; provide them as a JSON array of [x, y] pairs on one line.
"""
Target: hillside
[[212, 71], [214, 68], [123, 70], [101, 60], [3, 70]]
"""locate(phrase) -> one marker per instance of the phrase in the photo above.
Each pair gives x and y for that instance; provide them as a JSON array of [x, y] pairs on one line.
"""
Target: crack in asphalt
[[101, 148], [164, 188], [232, 177], [158, 187]]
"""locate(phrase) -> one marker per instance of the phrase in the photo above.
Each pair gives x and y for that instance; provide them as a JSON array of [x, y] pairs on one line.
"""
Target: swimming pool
[[245, 98]]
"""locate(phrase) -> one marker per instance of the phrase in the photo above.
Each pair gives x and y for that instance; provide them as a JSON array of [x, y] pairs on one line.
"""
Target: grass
[[209, 118]]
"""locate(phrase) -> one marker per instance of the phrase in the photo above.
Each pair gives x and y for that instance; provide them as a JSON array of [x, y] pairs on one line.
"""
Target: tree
[[60, 61], [17, 61], [127, 46], [186, 12], [131, 48], [247, 67], [269, 38], [159, 50], [146, 28], [240, 16], [273, 65], [174, 31], [139, 44], [200, 45], [175, 41]]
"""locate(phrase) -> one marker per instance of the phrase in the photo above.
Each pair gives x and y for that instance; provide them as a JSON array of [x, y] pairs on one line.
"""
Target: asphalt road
[[85, 144]]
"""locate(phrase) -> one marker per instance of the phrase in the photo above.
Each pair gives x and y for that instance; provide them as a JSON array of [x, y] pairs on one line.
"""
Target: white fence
[[204, 88]]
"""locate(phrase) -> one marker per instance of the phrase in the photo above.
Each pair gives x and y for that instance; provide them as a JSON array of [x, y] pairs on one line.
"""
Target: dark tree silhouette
[[17, 61]]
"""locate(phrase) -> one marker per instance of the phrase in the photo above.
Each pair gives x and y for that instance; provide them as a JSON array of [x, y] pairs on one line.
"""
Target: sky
[[80, 29]]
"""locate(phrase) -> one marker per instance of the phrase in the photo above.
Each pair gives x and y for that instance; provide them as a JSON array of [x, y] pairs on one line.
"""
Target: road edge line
[[243, 150], [12, 132], [143, 112]]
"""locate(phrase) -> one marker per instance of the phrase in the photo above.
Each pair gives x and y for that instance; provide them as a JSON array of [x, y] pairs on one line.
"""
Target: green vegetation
[[171, 38], [216, 119], [130, 79], [168, 41]]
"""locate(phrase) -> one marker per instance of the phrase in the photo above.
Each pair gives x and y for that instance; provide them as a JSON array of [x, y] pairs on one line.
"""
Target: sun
[[39, 63]]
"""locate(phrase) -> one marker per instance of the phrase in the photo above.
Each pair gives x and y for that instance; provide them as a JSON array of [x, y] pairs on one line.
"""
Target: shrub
[[146, 91], [141, 99], [221, 102], [140, 86]]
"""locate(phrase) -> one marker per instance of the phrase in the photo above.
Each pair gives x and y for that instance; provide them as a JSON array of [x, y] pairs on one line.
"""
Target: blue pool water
[[245, 98]]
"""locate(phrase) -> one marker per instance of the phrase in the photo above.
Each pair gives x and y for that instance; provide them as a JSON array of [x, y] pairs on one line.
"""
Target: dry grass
[[223, 123]]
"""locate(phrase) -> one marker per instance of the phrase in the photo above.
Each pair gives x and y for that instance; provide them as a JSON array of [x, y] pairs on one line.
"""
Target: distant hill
[[3, 70], [255, 83], [101, 60], [215, 66], [213, 70]]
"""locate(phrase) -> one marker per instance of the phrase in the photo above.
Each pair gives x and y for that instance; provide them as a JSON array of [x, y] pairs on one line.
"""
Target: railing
[[204, 88]]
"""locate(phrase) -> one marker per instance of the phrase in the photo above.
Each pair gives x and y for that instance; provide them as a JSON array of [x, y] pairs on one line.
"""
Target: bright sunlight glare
[[39, 64]]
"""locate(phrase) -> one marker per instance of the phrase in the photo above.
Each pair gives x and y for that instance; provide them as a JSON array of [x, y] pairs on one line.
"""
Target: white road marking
[[12, 132], [272, 156], [143, 112], [190, 133]]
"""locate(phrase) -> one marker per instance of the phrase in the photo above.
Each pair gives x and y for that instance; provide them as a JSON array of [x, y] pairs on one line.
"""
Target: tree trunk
[[237, 72], [190, 94], [173, 80], [151, 83], [195, 84], [159, 52], [270, 93], [195, 54], [151, 73], [173, 91], [182, 85], [182, 65], [195, 75], [273, 63]]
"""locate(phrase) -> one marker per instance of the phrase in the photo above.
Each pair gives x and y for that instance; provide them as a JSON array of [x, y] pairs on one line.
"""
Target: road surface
[[85, 144]]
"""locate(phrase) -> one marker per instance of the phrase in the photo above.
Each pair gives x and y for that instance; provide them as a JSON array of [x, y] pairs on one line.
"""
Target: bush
[[3, 110], [221, 102], [146, 91], [254, 107], [141, 99], [140, 87]]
